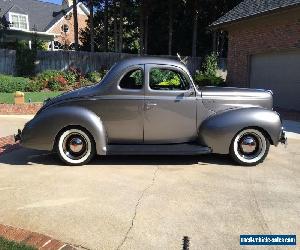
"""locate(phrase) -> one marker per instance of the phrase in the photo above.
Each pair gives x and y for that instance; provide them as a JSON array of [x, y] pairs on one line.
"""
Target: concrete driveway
[[151, 202]]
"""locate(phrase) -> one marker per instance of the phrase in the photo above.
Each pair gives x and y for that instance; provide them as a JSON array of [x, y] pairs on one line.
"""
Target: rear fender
[[41, 131], [218, 130]]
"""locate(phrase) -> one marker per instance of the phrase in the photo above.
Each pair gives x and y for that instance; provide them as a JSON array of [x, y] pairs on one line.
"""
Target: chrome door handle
[[150, 105]]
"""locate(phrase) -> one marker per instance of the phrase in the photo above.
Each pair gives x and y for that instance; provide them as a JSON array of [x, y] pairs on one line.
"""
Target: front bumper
[[283, 138]]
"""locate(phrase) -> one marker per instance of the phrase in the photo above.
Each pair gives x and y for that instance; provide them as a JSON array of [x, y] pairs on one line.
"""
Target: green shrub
[[210, 65], [94, 76], [56, 80], [71, 77], [207, 80], [83, 82], [208, 74], [10, 84], [35, 86], [25, 59]]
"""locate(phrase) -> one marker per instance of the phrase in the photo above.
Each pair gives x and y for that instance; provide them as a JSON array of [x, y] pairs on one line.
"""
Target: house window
[[19, 21], [65, 28]]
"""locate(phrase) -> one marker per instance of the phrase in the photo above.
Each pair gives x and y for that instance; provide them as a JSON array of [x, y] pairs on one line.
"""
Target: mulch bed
[[20, 109], [35, 240]]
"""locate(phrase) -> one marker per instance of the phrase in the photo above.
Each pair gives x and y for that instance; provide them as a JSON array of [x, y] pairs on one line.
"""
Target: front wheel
[[75, 146], [249, 147]]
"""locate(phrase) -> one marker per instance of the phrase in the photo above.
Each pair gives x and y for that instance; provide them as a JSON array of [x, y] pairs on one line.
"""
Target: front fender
[[41, 131], [218, 130]]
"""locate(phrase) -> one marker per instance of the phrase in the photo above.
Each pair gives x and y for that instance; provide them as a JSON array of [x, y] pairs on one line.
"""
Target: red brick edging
[[36, 240], [7, 144], [20, 109]]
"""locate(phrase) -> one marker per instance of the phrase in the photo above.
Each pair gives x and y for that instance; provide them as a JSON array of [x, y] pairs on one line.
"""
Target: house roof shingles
[[40, 14], [249, 8]]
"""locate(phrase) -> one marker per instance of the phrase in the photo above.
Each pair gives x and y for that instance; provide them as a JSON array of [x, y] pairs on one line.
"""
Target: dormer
[[18, 21], [17, 18]]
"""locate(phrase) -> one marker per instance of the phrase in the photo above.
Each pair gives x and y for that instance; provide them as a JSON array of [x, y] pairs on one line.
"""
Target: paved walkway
[[9, 124]]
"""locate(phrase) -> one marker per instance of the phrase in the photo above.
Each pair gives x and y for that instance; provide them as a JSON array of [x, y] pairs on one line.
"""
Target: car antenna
[[183, 60]]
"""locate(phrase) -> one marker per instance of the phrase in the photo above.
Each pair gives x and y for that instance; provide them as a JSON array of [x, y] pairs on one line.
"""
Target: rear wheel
[[249, 147], [75, 146]]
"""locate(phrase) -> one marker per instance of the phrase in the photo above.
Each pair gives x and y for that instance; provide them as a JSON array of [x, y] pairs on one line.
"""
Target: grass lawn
[[10, 245], [34, 96]]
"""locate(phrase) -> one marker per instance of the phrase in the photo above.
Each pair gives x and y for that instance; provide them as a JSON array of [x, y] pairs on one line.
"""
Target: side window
[[132, 80], [167, 79]]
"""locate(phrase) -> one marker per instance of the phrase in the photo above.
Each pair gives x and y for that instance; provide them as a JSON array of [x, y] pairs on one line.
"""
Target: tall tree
[[116, 26], [106, 25], [170, 27], [141, 28], [91, 20], [121, 26], [195, 27], [75, 17]]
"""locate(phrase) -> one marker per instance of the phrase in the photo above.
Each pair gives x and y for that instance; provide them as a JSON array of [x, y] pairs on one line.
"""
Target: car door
[[170, 105], [122, 110]]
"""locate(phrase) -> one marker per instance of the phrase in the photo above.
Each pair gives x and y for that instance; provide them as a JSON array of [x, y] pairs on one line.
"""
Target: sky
[[52, 1]]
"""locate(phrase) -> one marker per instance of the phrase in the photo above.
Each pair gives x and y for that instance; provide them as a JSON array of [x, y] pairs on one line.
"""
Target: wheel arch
[[218, 131], [42, 131]]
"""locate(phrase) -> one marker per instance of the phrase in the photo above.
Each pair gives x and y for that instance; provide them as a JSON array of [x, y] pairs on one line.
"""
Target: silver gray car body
[[208, 116]]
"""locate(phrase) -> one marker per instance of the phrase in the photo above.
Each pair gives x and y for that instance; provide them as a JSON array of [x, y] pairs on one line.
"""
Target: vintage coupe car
[[151, 106]]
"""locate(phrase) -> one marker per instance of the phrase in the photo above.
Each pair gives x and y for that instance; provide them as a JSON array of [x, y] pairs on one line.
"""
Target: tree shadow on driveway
[[29, 157]]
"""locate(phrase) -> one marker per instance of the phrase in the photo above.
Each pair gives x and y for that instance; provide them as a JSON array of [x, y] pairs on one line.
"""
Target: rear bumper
[[18, 136]]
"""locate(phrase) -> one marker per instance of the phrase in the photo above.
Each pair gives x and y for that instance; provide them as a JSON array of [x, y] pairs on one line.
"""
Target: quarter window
[[167, 79], [132, 80]]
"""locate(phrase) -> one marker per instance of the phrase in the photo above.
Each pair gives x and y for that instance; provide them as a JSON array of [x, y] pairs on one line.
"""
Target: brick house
[[264, 48], [53, 23]]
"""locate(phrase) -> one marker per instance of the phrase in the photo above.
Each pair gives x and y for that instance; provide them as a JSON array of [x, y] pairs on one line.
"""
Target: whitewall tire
[[249, 147], [75, 146]]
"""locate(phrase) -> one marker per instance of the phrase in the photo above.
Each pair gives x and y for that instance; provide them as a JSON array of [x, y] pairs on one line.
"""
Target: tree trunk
[[115, 26], [195, 31], [146, 35], [121, 26], [75, 16], [91, 7], [142, 27], [106, 26], [170, 27]]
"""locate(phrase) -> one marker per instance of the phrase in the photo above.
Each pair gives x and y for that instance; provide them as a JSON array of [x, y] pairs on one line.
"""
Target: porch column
[[52, 45]]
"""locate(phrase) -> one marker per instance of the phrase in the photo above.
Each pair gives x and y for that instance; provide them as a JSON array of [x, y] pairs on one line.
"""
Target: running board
[[150, 149]]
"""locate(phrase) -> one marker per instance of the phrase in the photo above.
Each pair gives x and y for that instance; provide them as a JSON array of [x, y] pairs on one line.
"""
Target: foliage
[[10, 84], [151, 18], [10, 245], [94, 76], [210, 65], [206, 80], [55, 80], [208, 75], [164, 77], [25, 59]]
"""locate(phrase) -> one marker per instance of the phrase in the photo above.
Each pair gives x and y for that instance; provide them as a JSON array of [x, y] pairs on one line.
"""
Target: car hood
[[219, 98]]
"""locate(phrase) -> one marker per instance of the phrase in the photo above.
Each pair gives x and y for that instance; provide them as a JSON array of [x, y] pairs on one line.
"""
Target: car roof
[[150, 60]]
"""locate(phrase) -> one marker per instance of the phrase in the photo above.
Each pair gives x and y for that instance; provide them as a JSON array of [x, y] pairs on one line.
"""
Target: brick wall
[[276, 32], [69, 36]]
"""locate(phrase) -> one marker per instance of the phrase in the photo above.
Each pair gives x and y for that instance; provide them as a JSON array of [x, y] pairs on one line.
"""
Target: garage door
[[279, 72]]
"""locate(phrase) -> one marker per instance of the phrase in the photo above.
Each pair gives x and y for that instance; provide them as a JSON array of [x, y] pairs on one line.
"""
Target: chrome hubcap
[[76, 145], [248, 144]]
